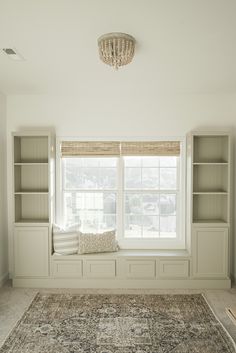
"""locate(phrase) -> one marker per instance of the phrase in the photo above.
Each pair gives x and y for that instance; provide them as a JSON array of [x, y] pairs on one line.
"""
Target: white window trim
[[160, 243]]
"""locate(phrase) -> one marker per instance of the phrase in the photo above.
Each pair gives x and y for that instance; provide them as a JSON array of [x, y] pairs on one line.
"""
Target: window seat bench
[[133, 269], [125, 253], [123, 264]]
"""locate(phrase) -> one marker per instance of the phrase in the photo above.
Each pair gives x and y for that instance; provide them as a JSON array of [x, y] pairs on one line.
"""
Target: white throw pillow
[[95, 243], [65, 241]]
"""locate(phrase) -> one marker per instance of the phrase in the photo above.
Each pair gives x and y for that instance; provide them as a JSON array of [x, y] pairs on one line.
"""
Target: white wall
[[3, 194], [118, 113]]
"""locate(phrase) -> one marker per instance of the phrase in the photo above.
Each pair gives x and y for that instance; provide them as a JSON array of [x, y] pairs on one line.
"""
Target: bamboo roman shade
[[90, 148], [115, 148], [151, 148]]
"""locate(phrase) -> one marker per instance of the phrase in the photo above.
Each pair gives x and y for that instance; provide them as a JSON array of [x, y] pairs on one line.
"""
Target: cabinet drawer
[[174, 268], [67, 269], [100, 269], [140, 269]]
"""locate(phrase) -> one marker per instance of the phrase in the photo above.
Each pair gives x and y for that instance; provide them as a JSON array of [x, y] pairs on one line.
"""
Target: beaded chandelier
[[116, 49]]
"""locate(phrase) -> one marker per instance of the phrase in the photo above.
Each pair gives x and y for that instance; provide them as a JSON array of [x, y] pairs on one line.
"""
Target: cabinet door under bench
[[31, 256], [177, 268], [210, 252], [140, 269], [67, 269], [99, 268]]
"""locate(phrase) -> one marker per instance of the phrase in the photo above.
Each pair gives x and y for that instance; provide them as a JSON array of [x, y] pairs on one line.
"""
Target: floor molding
[[115, 283], [3, 279]]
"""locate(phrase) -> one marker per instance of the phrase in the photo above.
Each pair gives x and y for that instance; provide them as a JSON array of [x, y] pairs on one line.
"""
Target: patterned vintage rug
[[66, 323]]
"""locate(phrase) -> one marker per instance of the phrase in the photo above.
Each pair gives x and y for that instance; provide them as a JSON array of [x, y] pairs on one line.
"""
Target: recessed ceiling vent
[[12, 54]]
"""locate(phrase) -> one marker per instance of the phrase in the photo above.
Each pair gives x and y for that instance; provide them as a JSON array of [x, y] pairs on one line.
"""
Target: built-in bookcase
[[210, 179], [33, 169], [210, 204], [31, 178]]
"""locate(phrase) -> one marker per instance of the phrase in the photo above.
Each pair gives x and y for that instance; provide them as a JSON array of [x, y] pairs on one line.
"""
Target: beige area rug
[[67, 323]]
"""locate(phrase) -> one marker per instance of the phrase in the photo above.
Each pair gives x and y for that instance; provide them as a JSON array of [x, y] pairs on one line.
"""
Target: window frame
[[133, 243]]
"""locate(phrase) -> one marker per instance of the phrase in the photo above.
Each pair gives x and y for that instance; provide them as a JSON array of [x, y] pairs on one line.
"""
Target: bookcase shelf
[[210, 207], [31, 149], [207, 221], [35, 192], [30, 163], [210, 163], [31, 206], [210, 179], [210, 149], [220, 192], [32, 221], [31, 178]]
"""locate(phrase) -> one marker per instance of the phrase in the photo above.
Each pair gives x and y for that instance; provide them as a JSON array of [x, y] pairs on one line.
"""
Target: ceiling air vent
[[12, 54]]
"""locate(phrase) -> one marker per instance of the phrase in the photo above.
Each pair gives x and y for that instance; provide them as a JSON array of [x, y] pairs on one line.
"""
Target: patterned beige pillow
[[94, 243]]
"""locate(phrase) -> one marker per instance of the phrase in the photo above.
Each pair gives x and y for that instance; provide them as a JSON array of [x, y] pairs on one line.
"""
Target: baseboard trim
[[121, 284], [3, 279]]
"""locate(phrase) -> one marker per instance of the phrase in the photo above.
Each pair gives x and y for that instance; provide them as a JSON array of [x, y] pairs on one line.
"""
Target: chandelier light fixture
[[116, 49]]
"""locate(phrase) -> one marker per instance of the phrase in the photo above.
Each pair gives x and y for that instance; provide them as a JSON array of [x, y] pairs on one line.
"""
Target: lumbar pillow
[[65, 241], [100, 242]]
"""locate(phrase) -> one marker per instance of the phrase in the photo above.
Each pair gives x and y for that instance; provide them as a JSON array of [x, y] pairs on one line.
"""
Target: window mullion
[[151, 191], [120, 199], [159, 202]]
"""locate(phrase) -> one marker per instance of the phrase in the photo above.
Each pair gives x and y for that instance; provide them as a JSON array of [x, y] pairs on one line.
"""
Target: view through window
[[138, 196]]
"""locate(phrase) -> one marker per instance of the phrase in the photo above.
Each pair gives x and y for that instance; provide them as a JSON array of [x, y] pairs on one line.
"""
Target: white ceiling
[[183, 46]]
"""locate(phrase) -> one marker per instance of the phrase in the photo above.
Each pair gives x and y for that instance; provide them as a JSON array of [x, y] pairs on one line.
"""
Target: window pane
[[91, 221], [109, 222], [98, 162], [150, 178], [89, 162], [133, 204], [132, 161], [133, 226], [109, 203], [168, 178], [107, 162], [142, 218], [168, 161], [89, 173], [89, 178], [92, 212], [107, 178], [168, 226], [150, 204], [150, 161], [150, 226], [167, 204], [133, 178], [149, 174]]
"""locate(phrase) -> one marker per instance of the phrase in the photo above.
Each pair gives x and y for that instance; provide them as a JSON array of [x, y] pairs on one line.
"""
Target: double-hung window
[[135, 188]]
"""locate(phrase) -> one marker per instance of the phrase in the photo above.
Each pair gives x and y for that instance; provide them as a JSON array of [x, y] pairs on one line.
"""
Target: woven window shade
[[113, 148], [151, 148], [90, 148]]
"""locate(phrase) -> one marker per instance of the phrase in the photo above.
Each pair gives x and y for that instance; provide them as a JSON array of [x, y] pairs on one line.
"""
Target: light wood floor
[[14, 301]]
